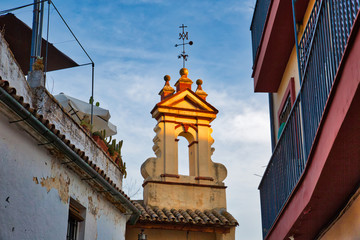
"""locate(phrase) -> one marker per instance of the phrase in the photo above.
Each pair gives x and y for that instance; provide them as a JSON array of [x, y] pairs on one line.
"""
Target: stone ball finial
[[167, 78], [199, 82], [184, 71]]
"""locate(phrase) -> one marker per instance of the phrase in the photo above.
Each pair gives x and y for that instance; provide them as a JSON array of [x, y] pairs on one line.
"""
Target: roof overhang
[[18, 36], [276, 44]]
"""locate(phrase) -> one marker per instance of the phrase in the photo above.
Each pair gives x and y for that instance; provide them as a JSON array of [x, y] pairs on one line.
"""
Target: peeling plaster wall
[[35, 190], [50, 109]]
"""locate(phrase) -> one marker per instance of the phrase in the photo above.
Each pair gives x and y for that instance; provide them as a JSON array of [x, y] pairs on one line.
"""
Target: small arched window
[[183, 156]]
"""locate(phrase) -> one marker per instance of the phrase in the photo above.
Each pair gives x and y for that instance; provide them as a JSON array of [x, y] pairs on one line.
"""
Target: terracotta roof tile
[[170, 216], [161, 214], [213, 217], [202, 216], [195, 217]]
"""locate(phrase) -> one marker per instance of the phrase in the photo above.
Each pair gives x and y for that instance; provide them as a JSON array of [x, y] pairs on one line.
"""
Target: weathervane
[[183, 36]]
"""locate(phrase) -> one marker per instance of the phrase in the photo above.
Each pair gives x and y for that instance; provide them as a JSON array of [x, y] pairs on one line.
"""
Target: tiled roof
[[214, 217], [12, 91]]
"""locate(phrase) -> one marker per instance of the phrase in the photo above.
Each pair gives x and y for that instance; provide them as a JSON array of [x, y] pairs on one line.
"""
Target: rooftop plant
[[113, 149]]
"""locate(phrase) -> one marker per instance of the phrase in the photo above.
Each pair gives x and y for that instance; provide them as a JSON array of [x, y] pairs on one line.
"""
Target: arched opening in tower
[[183, 156]]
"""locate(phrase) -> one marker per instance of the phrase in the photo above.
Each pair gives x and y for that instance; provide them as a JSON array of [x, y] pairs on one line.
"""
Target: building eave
[[215, 220]]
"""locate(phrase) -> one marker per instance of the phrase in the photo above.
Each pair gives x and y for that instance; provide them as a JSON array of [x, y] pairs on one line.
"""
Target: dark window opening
[[73, 222], [285, 106], [285, 111]]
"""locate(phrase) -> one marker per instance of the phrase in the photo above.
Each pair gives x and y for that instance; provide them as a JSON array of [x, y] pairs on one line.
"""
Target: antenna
[[183, 36]]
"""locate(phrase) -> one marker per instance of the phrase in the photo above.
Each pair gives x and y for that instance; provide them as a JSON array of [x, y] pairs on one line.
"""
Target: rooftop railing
[[258, 24], [320, 49]]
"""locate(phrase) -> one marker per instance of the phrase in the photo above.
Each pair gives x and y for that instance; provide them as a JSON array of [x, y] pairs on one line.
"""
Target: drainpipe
[[60, 145]]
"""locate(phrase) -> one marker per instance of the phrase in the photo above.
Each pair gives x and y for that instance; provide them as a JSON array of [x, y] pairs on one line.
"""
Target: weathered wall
[[50, 109], [35, 191], [184, 196]]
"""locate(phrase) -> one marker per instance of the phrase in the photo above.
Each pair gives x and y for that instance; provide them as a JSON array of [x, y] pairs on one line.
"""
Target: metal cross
[[184, 35]]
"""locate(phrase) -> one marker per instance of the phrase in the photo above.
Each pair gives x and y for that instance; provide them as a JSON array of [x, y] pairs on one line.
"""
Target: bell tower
[[183, 113]]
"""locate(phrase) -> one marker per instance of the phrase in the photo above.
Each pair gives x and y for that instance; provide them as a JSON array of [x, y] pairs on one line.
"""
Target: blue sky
[[132, 45]]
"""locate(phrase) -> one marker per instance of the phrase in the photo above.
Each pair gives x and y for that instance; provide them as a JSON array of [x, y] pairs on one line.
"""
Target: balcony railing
[[258, 23], [320, 49]]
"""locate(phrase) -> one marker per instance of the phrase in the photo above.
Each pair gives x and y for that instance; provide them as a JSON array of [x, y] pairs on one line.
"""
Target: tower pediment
[[185, 103]]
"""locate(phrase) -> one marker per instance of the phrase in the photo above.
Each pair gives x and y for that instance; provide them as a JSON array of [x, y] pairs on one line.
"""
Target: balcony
[[258, 23], [272, 32], [321, 50]]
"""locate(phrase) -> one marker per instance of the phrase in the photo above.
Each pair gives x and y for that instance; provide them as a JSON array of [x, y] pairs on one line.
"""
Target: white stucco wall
[[35, 190]]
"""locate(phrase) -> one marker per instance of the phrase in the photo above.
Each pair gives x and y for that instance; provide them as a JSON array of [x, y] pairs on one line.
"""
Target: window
[[284, 114], [75, 220], [285, 106]]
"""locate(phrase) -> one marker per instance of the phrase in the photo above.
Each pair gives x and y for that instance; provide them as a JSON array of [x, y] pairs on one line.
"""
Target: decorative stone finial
[[167, 89], [184, 72], [199, 91], [184, 82], [167, 78]]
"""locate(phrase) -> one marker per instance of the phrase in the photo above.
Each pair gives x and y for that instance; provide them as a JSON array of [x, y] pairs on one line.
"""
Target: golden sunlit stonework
[[178, 205]]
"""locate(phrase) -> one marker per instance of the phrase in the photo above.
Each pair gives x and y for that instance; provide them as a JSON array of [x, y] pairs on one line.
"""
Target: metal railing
[[285, 167], [258, 24], [321, 49]]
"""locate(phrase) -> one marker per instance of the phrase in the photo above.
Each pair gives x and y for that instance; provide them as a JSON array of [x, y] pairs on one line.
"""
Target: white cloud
[[250, 126]]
